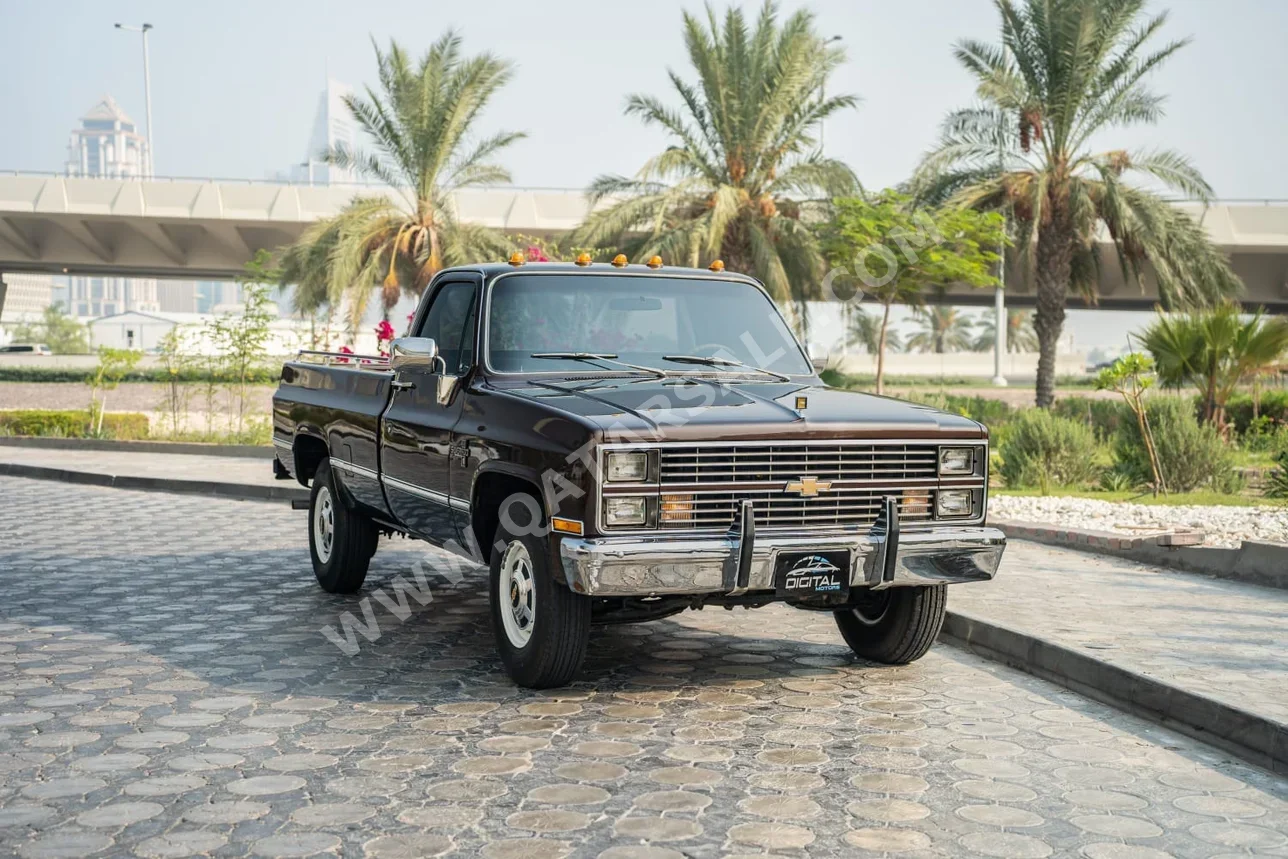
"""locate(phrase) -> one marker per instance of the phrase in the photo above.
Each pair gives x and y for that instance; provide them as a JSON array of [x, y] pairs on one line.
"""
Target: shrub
[[1191, 454], [1274, 406], [266, 375], [1277, 480], [1044, 450], [988, 411], [72, 423], [1103, 416]]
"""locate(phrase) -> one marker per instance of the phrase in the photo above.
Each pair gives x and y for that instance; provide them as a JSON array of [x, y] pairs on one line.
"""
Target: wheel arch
[[491, 487]]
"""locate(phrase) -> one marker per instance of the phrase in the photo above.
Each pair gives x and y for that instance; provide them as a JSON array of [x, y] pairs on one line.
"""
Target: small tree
[[1131, 376], [176, 360], [113, 366], [241, 340], [60, 332], [898, 252]]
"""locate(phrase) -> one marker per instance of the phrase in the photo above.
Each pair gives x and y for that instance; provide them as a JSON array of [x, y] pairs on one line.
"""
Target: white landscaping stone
[[1222, 526]]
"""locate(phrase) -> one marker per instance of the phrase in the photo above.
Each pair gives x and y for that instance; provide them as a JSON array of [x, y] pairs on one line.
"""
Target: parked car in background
[[26, 349], [625, 442]]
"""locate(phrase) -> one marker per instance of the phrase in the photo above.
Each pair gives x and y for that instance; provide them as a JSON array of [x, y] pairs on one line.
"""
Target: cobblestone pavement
[[165, 690], [1222, 639]]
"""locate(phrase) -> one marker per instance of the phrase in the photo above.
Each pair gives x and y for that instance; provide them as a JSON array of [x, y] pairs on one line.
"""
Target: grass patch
[[1201, 498]]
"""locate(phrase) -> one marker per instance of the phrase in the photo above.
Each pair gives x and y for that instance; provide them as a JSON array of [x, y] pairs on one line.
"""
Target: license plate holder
[[820, 573]]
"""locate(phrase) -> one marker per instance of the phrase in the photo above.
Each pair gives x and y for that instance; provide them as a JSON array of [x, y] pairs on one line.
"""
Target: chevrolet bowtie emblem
[[808, 486]]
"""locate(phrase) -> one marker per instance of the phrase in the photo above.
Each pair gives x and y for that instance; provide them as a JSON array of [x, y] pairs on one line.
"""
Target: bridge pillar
[[4, 290]]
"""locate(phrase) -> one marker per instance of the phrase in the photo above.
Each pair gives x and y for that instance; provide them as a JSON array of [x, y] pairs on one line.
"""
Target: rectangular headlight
[[624, 510], [952, 503], [626, 467], [957, 460]]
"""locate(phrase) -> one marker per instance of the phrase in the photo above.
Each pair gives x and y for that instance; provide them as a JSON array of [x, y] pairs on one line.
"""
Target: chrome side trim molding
[[283, 443], [355, 470], [427, 494]]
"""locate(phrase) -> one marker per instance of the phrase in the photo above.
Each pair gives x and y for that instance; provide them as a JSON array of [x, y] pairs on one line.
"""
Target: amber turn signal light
[[716, 265], [583, 259], [565, 526], [654, 262], [516, 258], [619, 260]]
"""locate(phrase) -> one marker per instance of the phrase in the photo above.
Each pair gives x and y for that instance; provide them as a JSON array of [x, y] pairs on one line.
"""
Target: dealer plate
[[809, 574]]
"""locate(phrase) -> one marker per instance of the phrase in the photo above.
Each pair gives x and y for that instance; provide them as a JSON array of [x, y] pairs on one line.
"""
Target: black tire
[[558, 625], [895, 626], [340, 568]]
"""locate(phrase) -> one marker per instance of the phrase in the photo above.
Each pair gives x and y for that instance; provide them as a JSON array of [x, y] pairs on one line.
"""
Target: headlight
[[957, 460], [624, 510], [626, 467], [952, 503]]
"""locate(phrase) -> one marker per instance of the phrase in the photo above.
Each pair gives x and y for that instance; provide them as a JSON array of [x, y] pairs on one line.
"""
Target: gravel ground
[[1222, 526]]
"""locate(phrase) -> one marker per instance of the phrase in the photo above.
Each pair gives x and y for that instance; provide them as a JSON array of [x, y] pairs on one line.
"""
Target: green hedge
[[1274, 405], [1191, 454], [72, 423], [1045, 450], [1103, 416], [261, 376]]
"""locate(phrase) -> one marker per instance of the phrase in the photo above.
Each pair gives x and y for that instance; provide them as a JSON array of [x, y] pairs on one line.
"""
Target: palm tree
[[1214, 350], [1019, 332], [865, 330], [744, 165], [943, 329], [1066, 71], [420, 126]]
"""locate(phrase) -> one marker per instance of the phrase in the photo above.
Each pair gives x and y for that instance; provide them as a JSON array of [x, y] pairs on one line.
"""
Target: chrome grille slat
[[701, 472]]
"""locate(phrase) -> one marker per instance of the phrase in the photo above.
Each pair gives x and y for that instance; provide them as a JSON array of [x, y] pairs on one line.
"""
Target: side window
[[450, 321]]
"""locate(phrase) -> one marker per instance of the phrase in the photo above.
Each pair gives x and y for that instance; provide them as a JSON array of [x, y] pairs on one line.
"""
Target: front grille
[[720, 464], [773, 509]]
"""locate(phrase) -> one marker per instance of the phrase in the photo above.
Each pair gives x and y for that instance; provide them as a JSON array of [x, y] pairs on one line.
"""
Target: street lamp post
[[147, 92]]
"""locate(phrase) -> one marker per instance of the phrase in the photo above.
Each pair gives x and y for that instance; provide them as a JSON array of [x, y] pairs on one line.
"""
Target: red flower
[[384, 331], [536, 254]]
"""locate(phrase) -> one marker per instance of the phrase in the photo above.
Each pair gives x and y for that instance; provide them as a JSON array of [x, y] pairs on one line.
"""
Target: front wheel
[[895, 625], [541, 627]]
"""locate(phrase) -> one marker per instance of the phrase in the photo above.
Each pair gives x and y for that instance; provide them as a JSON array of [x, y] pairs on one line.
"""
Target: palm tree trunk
[[1054, 268], [881, 346]]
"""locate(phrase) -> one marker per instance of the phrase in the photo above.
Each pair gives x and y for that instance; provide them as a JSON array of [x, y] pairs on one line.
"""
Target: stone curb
[[1255, 562], [107, 444], [242, 491], [1254, 738]]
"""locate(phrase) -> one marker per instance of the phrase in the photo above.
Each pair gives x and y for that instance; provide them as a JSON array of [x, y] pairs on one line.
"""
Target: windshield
[[640, 320]]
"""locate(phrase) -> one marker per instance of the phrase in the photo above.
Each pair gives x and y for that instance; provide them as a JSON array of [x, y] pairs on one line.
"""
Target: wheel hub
[[517, 580], [323, 524]]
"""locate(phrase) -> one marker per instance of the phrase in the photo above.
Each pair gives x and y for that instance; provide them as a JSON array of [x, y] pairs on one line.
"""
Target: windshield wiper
[[723, 362], [606, 357]]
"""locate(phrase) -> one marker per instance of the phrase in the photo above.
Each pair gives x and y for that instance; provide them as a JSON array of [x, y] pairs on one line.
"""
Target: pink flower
[[346, 350], [384, 331], [536, 254]]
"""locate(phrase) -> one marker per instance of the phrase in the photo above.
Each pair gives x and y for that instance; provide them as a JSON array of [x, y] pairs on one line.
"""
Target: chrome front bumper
[[648, 566]]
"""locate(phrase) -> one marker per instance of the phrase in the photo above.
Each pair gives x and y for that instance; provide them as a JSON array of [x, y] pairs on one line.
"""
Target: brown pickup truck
[[624, 442]]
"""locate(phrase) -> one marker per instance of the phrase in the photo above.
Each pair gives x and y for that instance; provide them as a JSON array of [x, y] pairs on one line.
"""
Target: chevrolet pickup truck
[[624, 442]]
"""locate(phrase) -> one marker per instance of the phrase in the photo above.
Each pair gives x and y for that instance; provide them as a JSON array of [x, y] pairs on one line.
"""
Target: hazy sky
[[235, 83]]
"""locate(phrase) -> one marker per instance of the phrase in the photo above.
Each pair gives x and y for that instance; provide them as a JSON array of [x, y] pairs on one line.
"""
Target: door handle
[[401, 385]]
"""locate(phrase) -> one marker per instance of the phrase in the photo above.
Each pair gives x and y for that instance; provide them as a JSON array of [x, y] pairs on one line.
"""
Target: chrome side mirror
[[413, 353]]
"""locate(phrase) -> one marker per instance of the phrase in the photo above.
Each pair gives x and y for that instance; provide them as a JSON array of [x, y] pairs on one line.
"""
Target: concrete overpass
[[207, 229]]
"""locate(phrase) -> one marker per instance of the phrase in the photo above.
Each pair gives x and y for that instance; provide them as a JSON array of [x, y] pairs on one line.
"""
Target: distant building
[[25, 296], [144, 331], [177, 296], [108, 145], [332, 126]]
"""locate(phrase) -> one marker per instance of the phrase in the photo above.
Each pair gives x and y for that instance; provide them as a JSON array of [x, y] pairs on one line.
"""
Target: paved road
[[165, 689], [1222, 639]]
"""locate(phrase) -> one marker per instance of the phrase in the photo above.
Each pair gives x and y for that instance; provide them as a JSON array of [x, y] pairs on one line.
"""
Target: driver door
[[416, 432]]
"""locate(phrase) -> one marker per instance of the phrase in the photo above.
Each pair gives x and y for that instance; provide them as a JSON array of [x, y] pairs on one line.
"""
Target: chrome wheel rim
[[323, 524], [870, 608], [517, 594]]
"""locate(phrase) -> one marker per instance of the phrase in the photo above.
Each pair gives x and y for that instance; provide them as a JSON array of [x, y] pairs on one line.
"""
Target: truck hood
[[693, 409]]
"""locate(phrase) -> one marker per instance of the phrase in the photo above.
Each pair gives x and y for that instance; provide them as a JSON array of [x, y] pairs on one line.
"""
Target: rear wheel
[[541, 627], [895, 625], [341, 541]]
